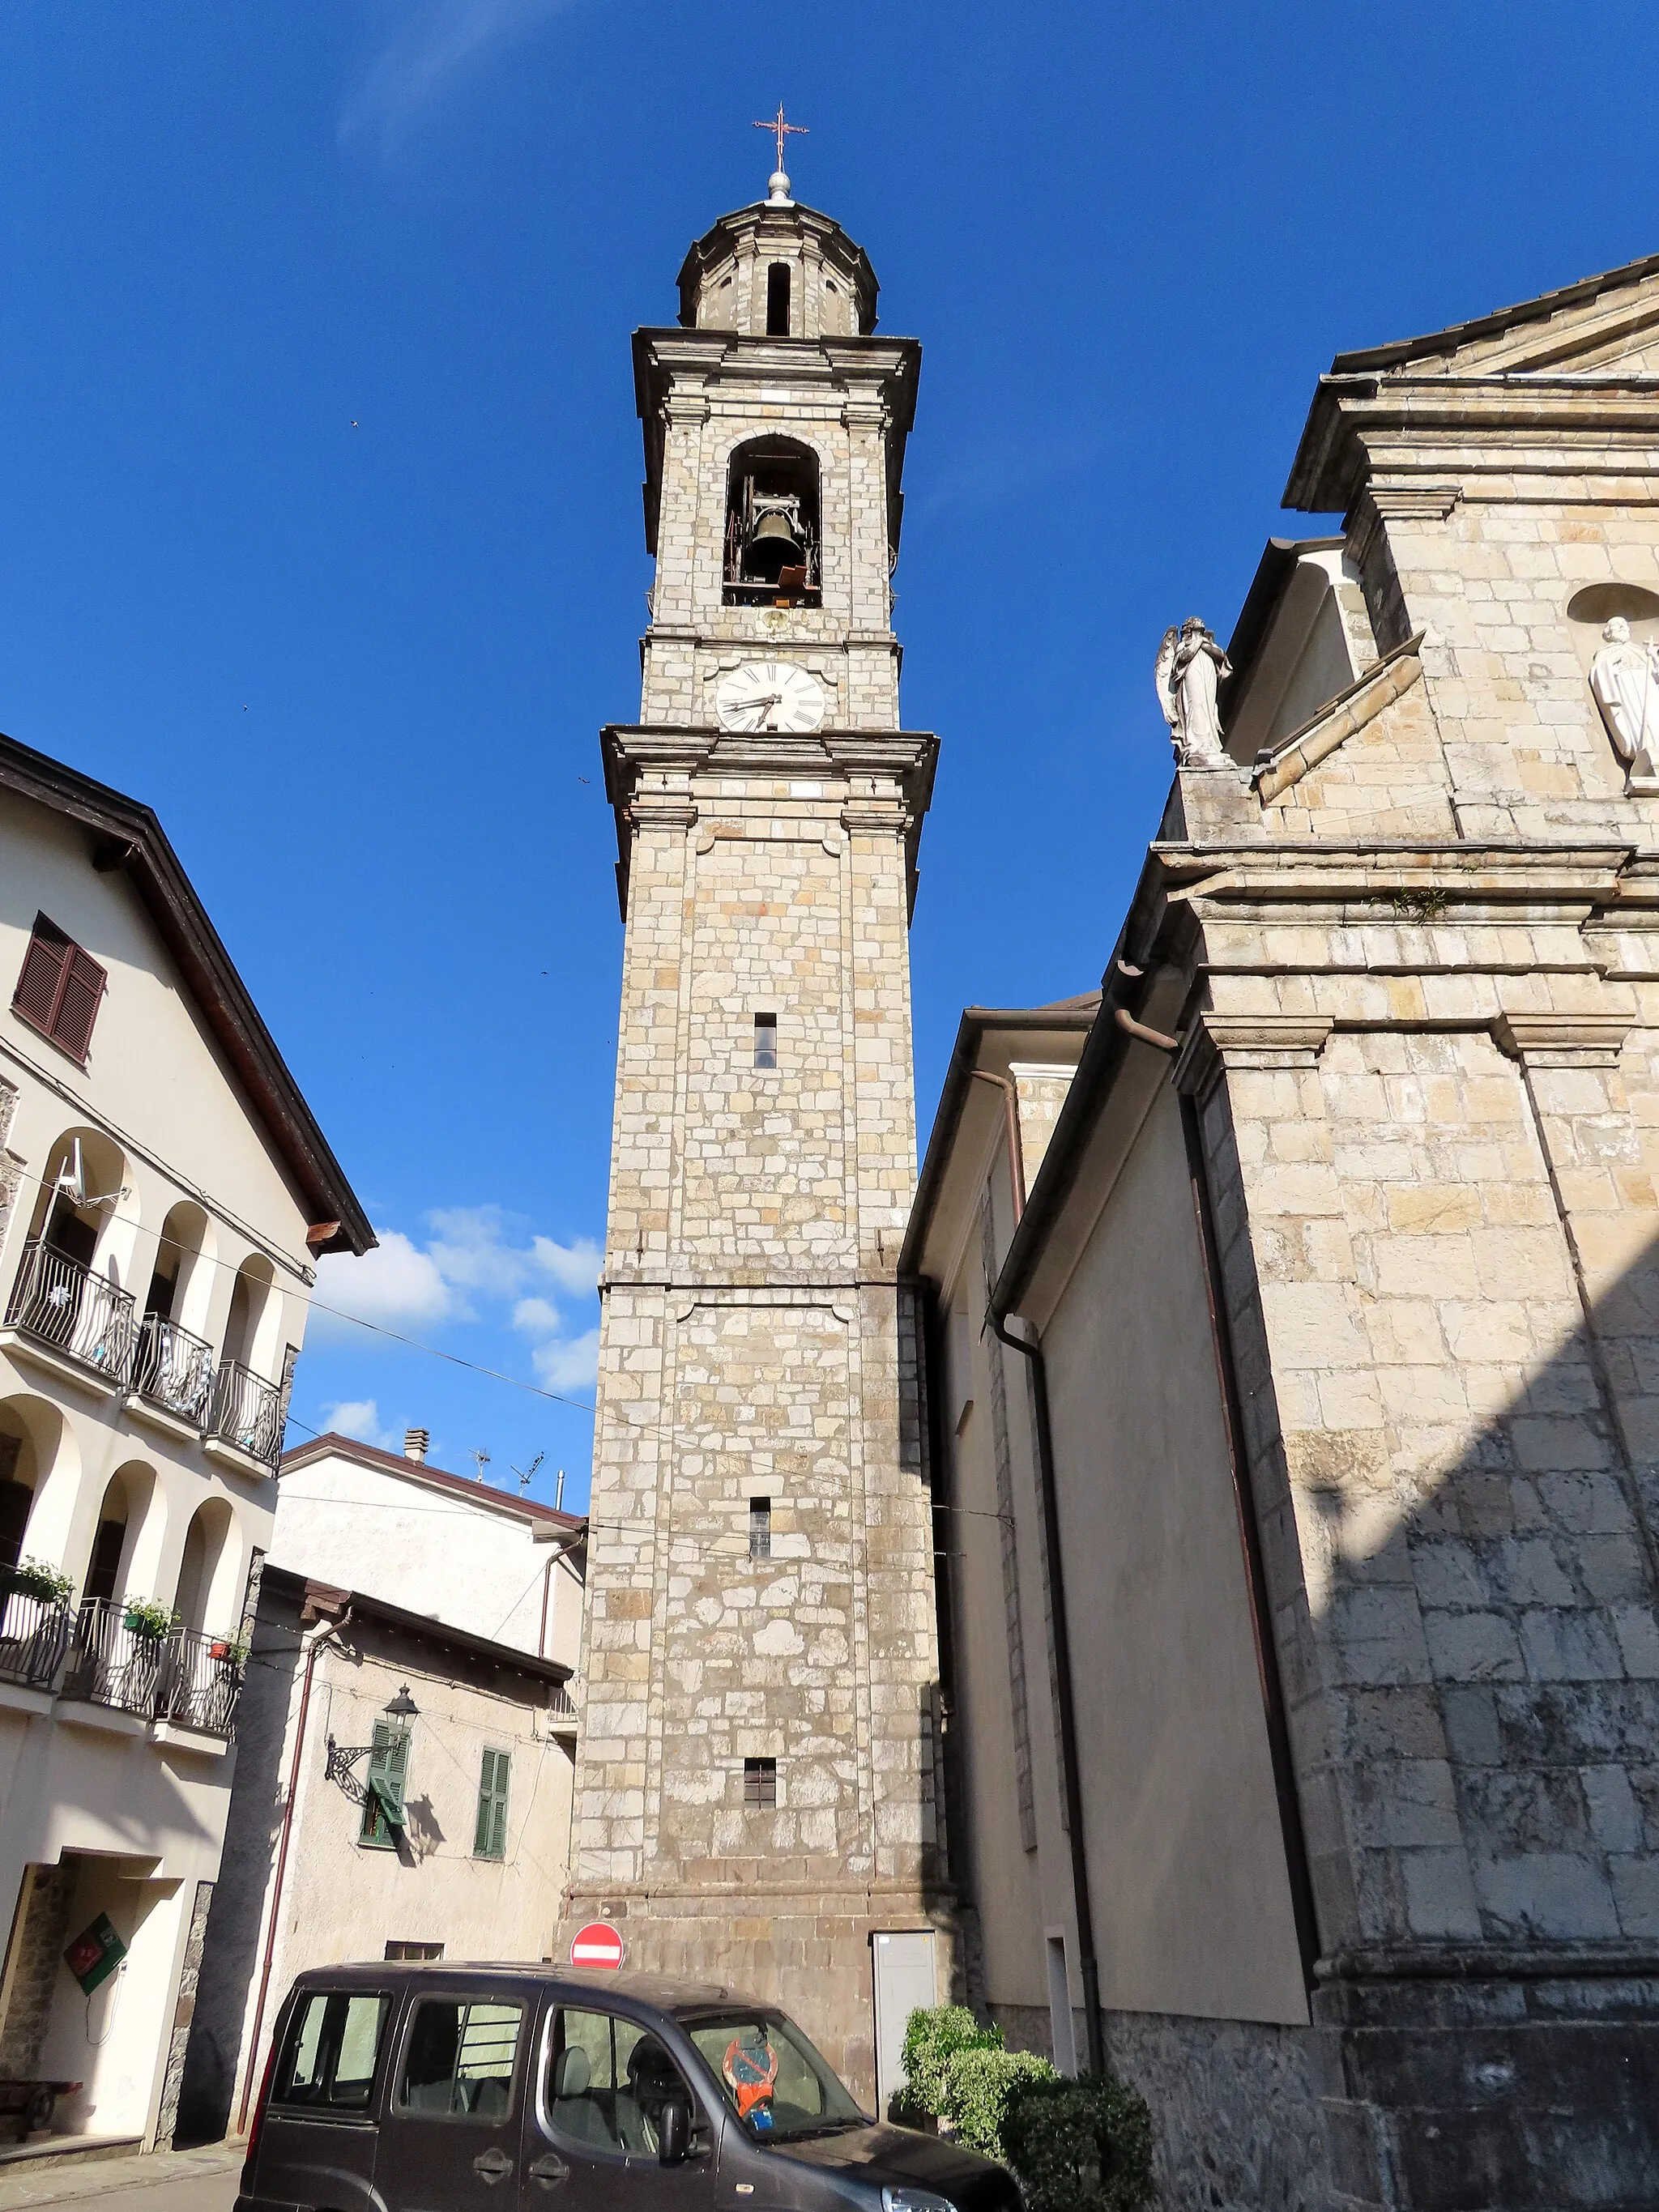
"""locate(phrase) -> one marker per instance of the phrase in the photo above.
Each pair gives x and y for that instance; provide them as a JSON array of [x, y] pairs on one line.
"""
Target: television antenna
[[481, 1458], [524, 1473]]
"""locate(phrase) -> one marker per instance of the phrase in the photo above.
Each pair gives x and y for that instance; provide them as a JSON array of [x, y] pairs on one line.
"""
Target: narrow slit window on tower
[[760, 1528], [766, 1039], [760, 1783], [777, 300]]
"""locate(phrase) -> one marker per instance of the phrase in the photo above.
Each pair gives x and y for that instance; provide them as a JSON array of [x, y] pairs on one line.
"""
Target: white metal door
[[904, 1983]]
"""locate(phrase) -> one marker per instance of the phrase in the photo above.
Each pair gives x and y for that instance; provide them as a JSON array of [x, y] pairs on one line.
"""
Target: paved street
[[174, 2181]]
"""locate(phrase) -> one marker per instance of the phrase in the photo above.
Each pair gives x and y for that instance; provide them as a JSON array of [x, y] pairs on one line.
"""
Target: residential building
[[406, 1744], [1308, 1673], [757, 1782], [164, 1194]]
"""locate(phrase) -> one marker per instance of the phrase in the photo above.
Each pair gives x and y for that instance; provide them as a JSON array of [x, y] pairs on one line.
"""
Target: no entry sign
[[596, 1945]]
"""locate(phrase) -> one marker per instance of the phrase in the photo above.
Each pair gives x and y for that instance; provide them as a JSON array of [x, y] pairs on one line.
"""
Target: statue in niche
[[1189, 670], [1624, 677]]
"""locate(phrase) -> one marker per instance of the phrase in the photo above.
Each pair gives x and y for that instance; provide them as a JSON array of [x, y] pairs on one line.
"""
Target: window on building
[[777, 300], [330, 2054], [406, 1950], [490, 1835], [59, 988], [460, 2058], [760, 1782], [760, 1528], [388, 1777], [766, 1039]]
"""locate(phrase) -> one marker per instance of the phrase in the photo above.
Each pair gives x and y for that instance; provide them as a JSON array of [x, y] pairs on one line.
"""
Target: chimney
[[414, 1443]]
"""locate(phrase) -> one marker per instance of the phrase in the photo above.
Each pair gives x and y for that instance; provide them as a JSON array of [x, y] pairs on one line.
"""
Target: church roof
[[1404, 351], [1525, 372], [723, 234]]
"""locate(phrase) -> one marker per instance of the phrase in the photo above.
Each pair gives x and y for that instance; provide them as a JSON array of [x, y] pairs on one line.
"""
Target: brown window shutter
[[60, 988], [36, 996], [77, 1005]]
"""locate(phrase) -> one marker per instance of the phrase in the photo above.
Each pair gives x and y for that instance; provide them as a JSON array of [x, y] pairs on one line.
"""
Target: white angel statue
[[1189, 669]]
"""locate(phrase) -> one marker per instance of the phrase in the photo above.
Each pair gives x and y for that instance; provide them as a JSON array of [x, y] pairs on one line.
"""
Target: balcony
[[247, 1413], [35, 1634], [174, 1370], [79, 1322], [191, 1680]]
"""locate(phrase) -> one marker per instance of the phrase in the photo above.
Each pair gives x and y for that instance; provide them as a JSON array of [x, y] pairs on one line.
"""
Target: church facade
[[757, 1794], [1296, 1370]]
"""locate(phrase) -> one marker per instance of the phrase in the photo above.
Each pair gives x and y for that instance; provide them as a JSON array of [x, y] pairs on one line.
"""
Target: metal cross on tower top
[[781, 129]]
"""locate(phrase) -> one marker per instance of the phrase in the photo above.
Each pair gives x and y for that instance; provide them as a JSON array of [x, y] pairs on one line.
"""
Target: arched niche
[[44, 1464], [206, 1594], [120, 1529], [79, 1221], [181, 1279], [773, 535], [254, 1321], [1589, 611]]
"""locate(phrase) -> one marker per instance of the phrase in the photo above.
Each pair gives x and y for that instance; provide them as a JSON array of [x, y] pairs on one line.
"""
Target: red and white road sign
[[596, 1945]]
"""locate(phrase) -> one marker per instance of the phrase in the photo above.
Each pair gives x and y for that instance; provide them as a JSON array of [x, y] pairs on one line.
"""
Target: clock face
[[768, 695]]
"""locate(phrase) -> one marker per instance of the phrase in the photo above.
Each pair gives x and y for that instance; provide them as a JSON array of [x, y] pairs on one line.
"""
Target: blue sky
[[318, 483]]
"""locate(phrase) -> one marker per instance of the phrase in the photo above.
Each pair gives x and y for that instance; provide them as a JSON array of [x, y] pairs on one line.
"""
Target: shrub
[[1082, 2146], [34, 1578], [933, 2036], [978, 2087]]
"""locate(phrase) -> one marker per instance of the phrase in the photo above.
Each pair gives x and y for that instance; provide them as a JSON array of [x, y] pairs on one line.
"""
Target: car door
[[317, 2138], [592, 2127], [450, 2134]]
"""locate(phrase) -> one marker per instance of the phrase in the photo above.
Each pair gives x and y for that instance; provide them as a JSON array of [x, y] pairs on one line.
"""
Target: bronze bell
[[773, 546]]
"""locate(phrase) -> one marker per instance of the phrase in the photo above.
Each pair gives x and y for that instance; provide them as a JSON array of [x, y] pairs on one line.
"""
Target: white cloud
[[570, 1364], [575, 1268], [478, 1260], [560, 1363], [396, 1286], [359, 1417], [436, 45]]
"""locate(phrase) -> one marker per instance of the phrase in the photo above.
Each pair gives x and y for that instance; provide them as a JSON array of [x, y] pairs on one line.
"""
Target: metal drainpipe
[[1011, 1129], [1088, 1968], [328, 1629]]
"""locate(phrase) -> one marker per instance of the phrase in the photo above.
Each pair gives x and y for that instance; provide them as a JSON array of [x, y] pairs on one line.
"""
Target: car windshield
[[774, 2079]]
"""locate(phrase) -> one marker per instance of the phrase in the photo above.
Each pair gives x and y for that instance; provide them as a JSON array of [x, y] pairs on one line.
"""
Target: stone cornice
[[1432, 878], [1470, 426], [1564, 1040], [1348, 713]]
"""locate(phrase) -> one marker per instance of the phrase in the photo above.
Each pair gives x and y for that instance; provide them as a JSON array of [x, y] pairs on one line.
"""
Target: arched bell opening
[[773, 543]]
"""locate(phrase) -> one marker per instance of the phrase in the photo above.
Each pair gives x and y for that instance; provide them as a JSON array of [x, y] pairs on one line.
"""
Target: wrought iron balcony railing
[[175, 1676], [247, 1412], [35, 1634], [174, 1370], [63, 1304]]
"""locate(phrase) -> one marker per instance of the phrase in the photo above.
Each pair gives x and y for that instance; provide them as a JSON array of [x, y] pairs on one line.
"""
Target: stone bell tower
[[757, 1784]]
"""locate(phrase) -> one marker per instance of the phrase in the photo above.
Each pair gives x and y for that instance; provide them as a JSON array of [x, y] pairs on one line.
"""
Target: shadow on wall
[[1470, 1449], [231, 1954]]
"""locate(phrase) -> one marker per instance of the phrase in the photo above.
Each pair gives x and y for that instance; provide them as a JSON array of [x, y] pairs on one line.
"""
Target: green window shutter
[[490, 1833], [388, 1774]]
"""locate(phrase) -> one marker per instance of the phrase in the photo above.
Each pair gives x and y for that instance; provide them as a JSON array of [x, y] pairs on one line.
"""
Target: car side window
[[331, 2050], [608, 2080], [459, 2060]]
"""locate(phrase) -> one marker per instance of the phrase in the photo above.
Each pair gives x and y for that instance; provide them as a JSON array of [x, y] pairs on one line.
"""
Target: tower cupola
[[777, 269]]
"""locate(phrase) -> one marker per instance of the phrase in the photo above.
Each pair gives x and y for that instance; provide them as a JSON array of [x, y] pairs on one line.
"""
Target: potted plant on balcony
[[34, 1578], [230, 1652], [143, 1617]]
